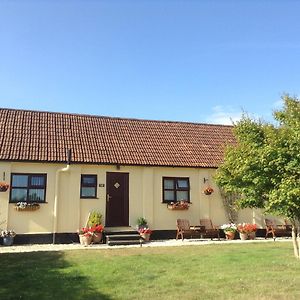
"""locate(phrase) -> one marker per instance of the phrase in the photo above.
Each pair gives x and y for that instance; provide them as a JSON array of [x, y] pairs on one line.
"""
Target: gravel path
[[163, 243]]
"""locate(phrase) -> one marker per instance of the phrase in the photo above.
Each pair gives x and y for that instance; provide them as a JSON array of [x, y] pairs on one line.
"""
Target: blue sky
[[198, 61]]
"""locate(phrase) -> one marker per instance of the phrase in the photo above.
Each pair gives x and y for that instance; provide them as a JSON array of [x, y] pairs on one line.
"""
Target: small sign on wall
[[101, 185]]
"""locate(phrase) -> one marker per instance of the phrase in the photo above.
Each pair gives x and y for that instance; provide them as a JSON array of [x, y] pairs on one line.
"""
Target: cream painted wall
[[145, 198]]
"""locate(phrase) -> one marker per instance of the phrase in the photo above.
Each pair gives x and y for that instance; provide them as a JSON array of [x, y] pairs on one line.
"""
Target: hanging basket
[[4, 187], [208, 191]]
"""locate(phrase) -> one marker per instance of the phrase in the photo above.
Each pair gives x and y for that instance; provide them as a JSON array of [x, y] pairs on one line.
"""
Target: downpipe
[[57, 177]]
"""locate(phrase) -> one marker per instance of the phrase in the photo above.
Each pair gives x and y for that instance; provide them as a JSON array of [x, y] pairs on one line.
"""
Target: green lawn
[[228, 271]]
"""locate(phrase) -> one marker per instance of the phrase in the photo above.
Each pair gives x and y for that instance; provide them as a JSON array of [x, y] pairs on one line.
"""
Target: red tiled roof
[[46, 137]]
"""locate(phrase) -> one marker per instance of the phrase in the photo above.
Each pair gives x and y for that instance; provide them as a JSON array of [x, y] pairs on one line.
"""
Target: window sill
[[28, 202]]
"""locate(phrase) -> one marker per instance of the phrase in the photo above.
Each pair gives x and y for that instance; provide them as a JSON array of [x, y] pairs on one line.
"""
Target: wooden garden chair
[[275, 230], [210, 230], [184, 228]]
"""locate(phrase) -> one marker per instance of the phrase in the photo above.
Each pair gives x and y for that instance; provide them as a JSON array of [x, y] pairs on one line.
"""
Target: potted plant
[[208, 191], [97, 233], [179, 205], [247, 231], [8, 237], [95, 218], [141, 223], [145, 233], [4, 186], [85, 236], [95, 226], [229, 230]]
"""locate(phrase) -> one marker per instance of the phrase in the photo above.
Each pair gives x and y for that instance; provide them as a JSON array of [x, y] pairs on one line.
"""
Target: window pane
[[169, 196], [88, 192], [182, 195], [89, 180], [37, 180], [19, 180], [18, 195], [182, 183], [169, 184], [36, 195]]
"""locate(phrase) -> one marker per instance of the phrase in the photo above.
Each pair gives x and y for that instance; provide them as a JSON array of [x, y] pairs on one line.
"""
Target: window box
[[24, 206], [181, 205]]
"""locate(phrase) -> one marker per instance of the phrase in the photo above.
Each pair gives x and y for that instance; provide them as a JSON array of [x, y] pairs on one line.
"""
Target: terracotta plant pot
[[85, 240], [229, 235], [146, 236], [97, 237]]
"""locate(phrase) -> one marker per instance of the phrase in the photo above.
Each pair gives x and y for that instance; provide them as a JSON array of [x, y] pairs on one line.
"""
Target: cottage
[[71, 164]]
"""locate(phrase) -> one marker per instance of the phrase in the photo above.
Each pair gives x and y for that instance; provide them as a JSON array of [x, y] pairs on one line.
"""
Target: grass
[[229, 271]]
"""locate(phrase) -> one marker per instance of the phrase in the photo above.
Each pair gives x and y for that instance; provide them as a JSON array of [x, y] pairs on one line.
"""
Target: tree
[[264, 165]]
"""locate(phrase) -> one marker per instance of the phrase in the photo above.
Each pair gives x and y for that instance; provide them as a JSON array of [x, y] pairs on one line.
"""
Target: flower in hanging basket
[[4, 186], [208, 191]]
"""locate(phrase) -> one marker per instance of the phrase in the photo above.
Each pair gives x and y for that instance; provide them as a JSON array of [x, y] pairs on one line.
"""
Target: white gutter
[[65, 169]]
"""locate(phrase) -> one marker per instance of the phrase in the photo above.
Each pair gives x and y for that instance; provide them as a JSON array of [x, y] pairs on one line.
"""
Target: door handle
[[108, 197]]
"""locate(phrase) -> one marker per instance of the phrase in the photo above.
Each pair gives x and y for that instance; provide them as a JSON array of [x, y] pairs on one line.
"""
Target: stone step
[[125, 242], [134, 236]]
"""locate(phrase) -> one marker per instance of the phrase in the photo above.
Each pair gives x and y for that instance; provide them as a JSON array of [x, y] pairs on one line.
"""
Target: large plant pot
[[85, 240], [229, 235], [146, 236], [8, 240], [243, 236], [97, 237]]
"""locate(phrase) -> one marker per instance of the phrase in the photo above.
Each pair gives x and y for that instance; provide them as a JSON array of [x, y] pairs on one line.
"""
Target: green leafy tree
[[264, 165]]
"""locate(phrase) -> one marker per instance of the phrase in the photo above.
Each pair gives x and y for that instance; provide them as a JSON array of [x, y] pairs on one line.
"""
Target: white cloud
[[224, 115]]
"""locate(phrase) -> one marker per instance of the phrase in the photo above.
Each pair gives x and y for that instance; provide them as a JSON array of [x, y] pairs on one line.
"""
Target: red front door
[[117, 199]]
